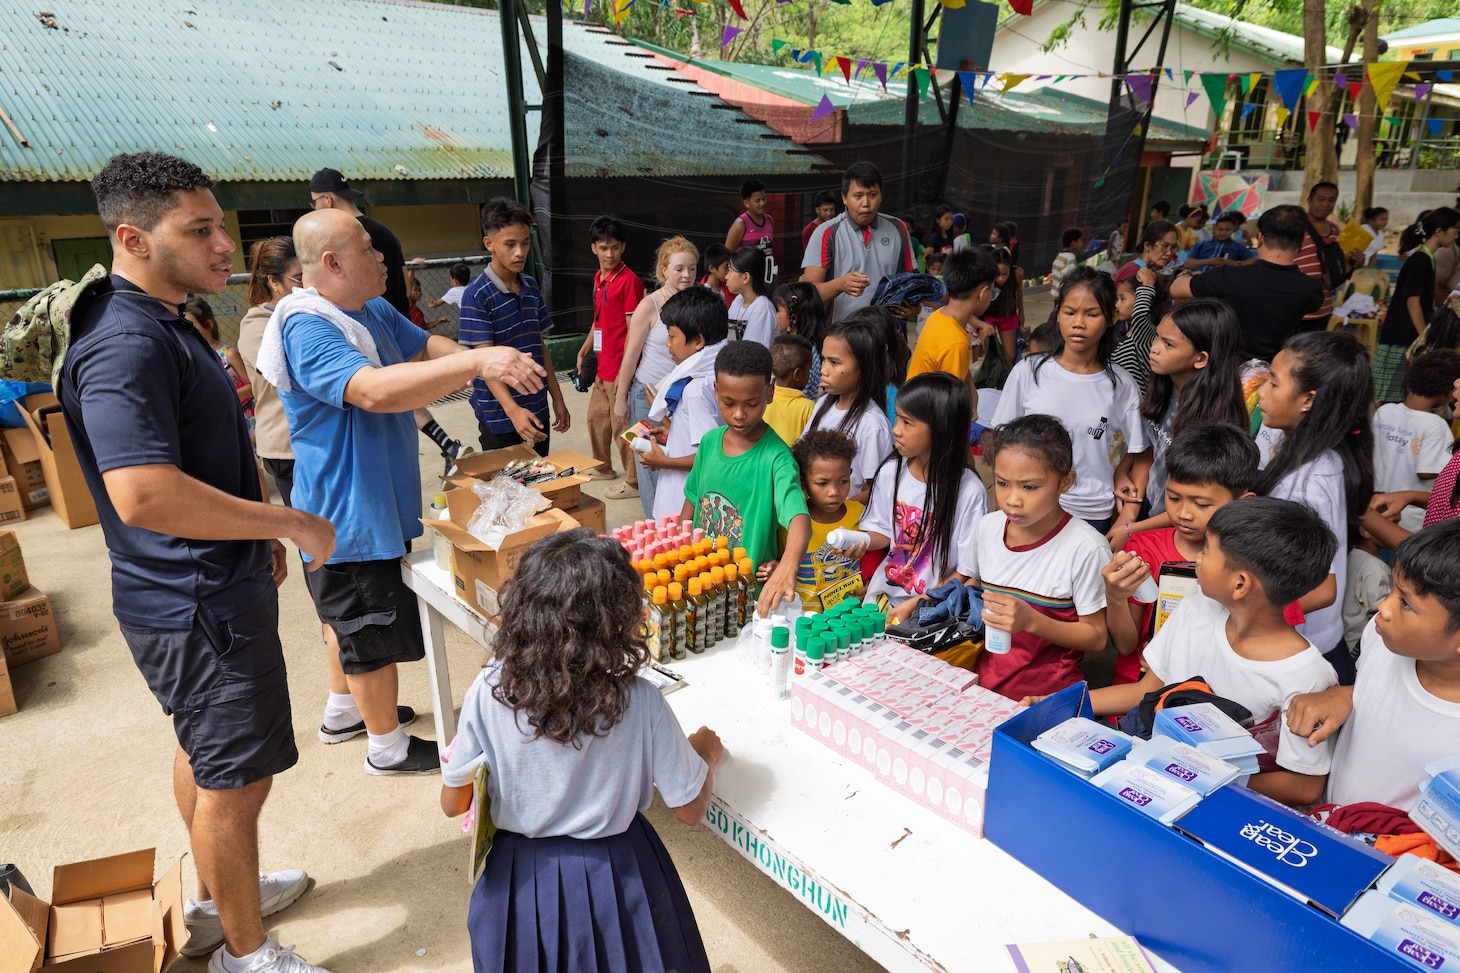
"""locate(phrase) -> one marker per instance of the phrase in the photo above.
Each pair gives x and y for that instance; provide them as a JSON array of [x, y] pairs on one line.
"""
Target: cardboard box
[[28, 628], [479, 570], [23, 461], [7, 703], [68, 491], [566, 492], [591, 512], [1200, 910], [13, 576], [12, 508], [105, 916]]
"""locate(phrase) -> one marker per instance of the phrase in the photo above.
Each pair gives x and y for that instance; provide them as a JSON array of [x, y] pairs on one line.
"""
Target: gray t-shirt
[[878, 250], [540, 788]]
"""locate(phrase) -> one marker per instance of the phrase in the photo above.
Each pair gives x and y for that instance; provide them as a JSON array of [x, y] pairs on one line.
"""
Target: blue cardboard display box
[[1199, 910]]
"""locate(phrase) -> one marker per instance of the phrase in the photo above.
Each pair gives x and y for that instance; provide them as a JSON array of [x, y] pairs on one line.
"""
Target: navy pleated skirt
[[569, 905]]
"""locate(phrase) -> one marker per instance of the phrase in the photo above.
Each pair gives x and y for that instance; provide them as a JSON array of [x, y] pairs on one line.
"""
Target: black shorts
[[224, 685], [372, 612], [282, 470], [501, 440]]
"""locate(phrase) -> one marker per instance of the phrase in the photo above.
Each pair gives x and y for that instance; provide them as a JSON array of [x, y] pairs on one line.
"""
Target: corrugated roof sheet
[[1439, 27], [267, 90]]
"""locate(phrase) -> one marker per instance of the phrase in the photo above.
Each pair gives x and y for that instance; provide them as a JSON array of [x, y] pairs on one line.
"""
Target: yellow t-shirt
[[819, 568], [788, 414], [943, 346]]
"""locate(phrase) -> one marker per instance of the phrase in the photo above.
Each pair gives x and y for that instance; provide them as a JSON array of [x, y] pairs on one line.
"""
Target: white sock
[[237, 964], [388, 748], [340, 711]]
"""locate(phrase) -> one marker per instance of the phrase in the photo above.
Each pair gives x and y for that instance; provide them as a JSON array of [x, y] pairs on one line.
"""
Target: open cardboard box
[[478, 569], [68, 491], [591, 513], [105, 916], [1198, 907], [23, 461], [565, 492]]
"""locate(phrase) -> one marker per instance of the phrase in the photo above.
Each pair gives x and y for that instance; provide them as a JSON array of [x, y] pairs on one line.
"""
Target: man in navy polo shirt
[[350, 371], [163, 447]]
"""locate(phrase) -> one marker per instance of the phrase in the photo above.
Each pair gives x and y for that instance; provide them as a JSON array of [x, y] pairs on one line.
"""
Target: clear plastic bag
[[506, 506]]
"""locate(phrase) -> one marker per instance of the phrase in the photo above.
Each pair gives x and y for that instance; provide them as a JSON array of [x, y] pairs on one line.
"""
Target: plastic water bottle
[[440, 546]]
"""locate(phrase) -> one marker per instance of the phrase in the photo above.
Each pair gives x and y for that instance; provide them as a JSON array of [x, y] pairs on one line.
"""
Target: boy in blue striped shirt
[[504, 306]]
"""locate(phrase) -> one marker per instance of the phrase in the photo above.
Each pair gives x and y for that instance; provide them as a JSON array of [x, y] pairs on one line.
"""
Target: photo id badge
[[598, 340]]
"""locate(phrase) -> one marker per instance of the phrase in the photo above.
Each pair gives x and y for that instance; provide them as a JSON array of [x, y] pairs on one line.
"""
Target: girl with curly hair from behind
[[575, 743]]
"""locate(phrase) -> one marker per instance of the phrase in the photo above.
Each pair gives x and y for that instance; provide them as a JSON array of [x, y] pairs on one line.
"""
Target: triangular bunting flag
[[896, 68], [1311, 86], [1282, 116], [1188, 76], [729, 34], [986, 79], [969, 81], [1354, 87], [1394, 120], [1384, 77], [1340, 80], [861, 66], [1420, 90], [824, 108], [1248, 109], [1247, 82], [1138, 130], [922, 77], [1169, 75], [777, 45], [735, 6], [1435, 124], [1445, 76], [878, 3], [1022, 7], [844, 3], [1313, 117], [845, 63], [1140, 86], [1289, 86], [1012, 80], [881, 70], [816, 61], [1192, 96], [1351, 120], [953, 4], [1216, 89]]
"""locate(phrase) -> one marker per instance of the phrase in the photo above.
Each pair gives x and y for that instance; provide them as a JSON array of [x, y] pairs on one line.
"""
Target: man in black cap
[[329, 189]]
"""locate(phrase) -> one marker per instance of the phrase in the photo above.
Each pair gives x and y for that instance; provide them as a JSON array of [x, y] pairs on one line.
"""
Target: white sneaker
[[277, 891], [273, 959]]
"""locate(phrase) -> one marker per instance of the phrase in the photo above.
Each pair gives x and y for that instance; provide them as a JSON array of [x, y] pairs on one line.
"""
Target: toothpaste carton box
[[1405, 930], [1423, 883], [965, 793], [1204, 725], [1437, 810]]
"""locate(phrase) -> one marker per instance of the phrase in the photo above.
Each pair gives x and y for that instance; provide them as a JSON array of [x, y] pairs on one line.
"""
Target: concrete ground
[[85, 772]]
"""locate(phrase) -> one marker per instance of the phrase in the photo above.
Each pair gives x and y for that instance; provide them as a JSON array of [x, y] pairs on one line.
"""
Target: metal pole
[[517, 114], [910, 115], [553, 128], [1122, 37]]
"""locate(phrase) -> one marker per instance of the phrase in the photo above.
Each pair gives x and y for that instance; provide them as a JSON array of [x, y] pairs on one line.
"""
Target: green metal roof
[[268, 90], [1430, 28]]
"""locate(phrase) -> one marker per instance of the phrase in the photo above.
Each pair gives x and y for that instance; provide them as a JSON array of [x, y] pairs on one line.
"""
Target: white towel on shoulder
[[272, 362]]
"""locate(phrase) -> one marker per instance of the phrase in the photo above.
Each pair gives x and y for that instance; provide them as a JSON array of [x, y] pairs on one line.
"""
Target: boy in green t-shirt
[[745, 483]]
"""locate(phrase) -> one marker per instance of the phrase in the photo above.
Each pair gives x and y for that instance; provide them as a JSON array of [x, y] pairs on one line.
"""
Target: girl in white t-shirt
[[1094, 399], [752, 315], [574, 744], [1318, 448], [1038, 565], [925, 501], [675, 264], [854, 399]]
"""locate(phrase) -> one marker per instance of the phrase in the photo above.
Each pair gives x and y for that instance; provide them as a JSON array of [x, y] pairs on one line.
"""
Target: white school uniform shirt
[[1319, 484], [1092, 410], [1065, 566], [697, 414], [453, 294], [1408, 442], [759, 318], [909, 568], [540, 788], [1193, 642], [1396, 728], [871, 432]]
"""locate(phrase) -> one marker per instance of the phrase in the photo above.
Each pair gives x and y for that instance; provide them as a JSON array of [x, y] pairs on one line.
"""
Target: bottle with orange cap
[[732, 600], [677, 624], [698, 616], [745, 579], [658, 608], [718, 601], [650, 581]]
